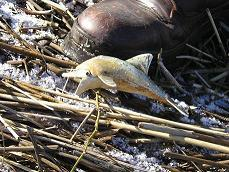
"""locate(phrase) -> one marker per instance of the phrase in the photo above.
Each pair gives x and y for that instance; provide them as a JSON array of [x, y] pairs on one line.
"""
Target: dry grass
[[35, 122]]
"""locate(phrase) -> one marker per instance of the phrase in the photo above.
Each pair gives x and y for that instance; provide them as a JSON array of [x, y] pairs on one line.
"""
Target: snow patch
[[19, 19], [133, 156], [210, 122]]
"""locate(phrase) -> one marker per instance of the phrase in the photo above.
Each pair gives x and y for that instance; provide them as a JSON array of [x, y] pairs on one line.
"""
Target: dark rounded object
[[124, 28]]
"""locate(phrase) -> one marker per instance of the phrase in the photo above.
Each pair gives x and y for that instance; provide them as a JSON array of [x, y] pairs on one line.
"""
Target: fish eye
[[105, 72], [88, 73]]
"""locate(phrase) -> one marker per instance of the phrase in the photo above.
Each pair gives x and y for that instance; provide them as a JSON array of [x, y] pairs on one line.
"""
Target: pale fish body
[[112, 73]]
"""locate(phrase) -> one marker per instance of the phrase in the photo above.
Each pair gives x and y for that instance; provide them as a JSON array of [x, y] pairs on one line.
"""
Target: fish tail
[[173, 104]]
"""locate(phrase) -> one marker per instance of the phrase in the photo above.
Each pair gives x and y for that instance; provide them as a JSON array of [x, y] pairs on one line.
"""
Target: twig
[[170, 77], [65, 84], [208, 71], [224, 162], [146, 118], [91, 136], [30, 158], [47, 134], [33, 12], [199, 170], [87, 163], [165, 129], [25, 148], [216, 32], [30, 6], [62, 10], [27, 52], [214, 156], [9, 137], [7, 27], [4, 146], [34, 92], [197, 160], [9, 128], [193, 58], [183, 133], [184, 140], [82, 124], [216, 78], [58, 7], [18, 165], [96, 157], [35, 148], [131, 115], [45, 116], [20, 114], [224, 26], [105, 133], [52, 165], [18, 105], [28, 95], [171, 169], [202, 79], [43, 49], [199, 51], [35, 5], [56, 47], [216, 116], [60, 106], [94, 166]]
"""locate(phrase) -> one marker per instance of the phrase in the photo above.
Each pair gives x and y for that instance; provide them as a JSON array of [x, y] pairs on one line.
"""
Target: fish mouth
[[77, 75]]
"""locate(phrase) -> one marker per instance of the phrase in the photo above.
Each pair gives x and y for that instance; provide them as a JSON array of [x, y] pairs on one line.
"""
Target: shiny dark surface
[[128, 27]]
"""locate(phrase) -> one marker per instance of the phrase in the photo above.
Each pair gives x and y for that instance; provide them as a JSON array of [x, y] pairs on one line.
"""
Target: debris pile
[[46, 127]]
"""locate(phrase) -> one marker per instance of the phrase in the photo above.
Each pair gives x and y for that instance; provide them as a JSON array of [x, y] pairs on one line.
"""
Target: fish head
[[80, 72], [90, 75]]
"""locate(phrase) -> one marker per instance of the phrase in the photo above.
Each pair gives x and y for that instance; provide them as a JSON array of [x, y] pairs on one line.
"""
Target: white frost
[[133, 156]]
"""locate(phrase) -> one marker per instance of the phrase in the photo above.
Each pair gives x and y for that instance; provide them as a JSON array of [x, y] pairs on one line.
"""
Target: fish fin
[[107, 80], [141, 62], [84, 85], [173, 104], [81, 87]]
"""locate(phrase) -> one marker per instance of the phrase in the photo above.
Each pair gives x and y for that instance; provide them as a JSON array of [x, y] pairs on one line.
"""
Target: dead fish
[[128, 76]]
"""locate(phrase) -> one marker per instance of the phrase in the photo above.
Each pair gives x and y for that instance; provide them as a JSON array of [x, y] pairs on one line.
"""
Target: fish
[[113, 73]]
